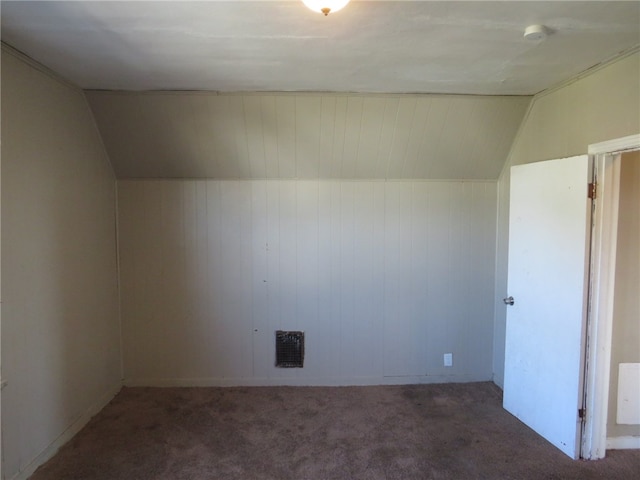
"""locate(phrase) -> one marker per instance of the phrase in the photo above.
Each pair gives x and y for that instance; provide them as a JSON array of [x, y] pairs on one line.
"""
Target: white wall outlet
[[448, 359]]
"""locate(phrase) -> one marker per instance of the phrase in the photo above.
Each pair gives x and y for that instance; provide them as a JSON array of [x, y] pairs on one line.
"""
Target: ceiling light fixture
[[325, 6]]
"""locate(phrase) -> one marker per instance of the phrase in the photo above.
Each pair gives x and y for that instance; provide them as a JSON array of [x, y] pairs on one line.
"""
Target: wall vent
[[289, 349]]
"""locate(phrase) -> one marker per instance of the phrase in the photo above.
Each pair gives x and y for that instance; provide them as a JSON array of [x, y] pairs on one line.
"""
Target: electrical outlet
[[448, 359]]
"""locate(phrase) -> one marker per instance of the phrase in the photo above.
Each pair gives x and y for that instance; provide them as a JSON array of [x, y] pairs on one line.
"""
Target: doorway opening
[[607, 158]]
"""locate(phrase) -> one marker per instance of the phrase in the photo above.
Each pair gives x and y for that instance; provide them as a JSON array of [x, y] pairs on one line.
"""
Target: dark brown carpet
[[453, 431]]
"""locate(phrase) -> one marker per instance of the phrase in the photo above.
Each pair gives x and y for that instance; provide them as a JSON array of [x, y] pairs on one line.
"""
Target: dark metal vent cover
[[289, 349]]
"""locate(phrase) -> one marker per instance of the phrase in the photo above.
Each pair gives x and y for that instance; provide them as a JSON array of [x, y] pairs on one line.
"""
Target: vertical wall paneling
[[208, 148], [353, 136], [269, 119], [156, 129], [401, 135], [308, 130], [392, 327], [347, 245], [305, 135], [234, 278], [199, 155], [325, 148], [384, 278], [262, 353], [456, 146], [182, 135], [215, 284], [254, 124], [238, 121], [329, 274], [485, 270], [386, 136], [369, 137], [171, 302], [452, 124], [286, 131], [197, 258], [287, 246], [481, 138], [416, 138], [307, 262], [419, 265], [368, 270], [339, 137], [273, 262], [439, 252], [221, 134], [438, 110]]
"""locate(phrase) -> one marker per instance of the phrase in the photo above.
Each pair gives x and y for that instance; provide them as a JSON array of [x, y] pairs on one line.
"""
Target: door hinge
[[592, 190], [582, 412]]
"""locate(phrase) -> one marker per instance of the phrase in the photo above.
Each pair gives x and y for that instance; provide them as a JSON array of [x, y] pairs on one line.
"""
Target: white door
[[549, 229]]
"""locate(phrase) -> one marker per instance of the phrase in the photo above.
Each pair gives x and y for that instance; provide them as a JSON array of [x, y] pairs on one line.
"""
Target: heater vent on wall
[[289, 349]]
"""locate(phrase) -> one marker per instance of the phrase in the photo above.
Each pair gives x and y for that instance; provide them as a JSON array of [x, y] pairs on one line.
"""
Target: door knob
[[508, 301]]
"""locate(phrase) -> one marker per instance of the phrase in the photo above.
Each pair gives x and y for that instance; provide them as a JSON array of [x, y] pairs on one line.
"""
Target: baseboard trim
[[302, 382], [623, 443], [67, 435]]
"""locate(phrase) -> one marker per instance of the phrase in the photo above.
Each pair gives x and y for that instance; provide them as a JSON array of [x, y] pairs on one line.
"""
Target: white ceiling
[[371, 46]]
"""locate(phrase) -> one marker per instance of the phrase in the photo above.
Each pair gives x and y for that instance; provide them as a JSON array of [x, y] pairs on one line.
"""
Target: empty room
[[288, 239]]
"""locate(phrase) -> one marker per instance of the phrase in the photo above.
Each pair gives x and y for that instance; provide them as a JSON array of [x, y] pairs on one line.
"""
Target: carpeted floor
[[452, 431]]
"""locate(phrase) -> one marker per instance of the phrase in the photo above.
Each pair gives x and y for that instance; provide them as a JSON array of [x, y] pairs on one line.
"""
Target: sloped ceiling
[[203, 135], [212, 56]]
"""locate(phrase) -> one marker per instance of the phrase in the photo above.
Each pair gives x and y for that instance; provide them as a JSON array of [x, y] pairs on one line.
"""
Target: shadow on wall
[[286, 136], [60, 333]]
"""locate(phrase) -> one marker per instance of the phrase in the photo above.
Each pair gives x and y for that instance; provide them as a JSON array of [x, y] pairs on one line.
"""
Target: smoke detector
[[536, 32]]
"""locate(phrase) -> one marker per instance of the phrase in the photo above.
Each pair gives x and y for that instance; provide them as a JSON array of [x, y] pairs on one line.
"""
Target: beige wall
[[600, 106], [372, 271], [625, 346], [60, 327]]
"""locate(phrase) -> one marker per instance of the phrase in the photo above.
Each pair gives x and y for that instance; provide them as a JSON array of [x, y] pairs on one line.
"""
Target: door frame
[[606, 157]]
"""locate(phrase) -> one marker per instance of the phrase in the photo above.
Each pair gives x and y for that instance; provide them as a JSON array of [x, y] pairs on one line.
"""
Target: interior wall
[[384, 277], [60, 327], [626, 304], [600, 106]]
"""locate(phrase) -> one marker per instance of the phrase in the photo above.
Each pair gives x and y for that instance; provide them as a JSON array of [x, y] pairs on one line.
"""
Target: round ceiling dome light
[[536, 32], [325, 6]]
